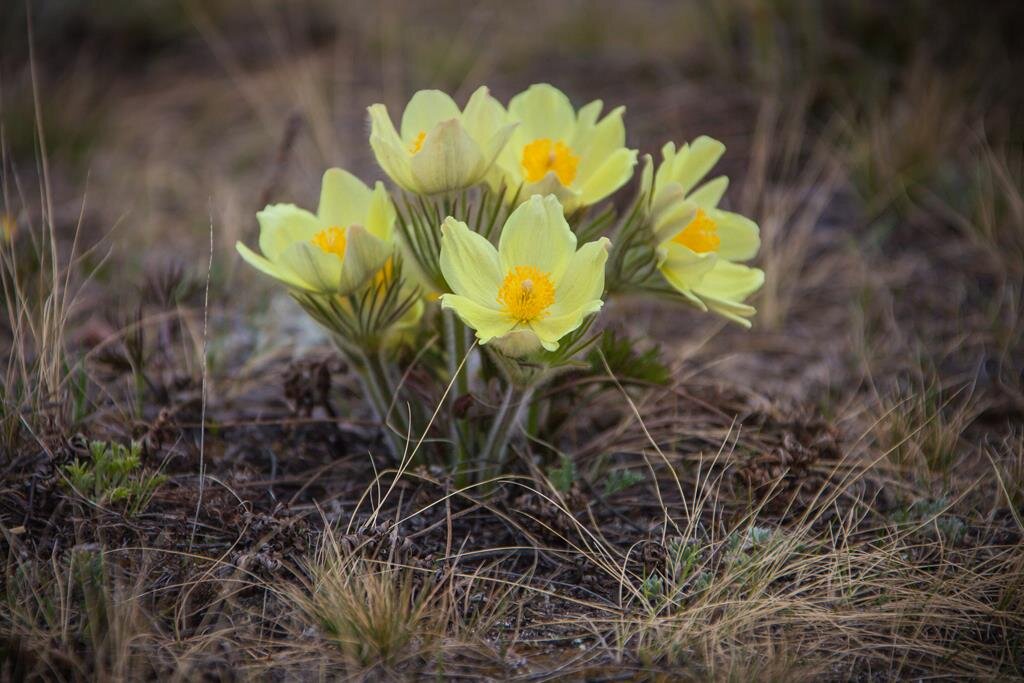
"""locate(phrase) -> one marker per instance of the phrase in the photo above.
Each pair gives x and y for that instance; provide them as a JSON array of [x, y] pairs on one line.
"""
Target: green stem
[[533, 418], [461, 434], [495, 453], [461, 349], [375, 380]]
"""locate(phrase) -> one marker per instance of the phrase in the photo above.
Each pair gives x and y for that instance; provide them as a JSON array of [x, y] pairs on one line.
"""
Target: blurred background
[[877, 144]]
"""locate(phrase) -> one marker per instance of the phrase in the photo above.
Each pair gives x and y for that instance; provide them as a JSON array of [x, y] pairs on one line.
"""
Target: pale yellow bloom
[[557, 150], [439, 148], [698, 244], [334, 251], [531, 291]]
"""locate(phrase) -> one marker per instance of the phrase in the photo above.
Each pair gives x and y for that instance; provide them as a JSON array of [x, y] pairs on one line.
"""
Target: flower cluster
[[495, 231]]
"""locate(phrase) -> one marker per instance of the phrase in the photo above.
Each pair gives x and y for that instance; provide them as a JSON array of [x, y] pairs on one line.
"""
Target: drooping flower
[[557, 150], [698, 244], [438, 147], [531, 291], [334, 251]]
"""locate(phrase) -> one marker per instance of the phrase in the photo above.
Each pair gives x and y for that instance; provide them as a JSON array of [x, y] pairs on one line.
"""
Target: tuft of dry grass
[[374, 614], [921, 427]]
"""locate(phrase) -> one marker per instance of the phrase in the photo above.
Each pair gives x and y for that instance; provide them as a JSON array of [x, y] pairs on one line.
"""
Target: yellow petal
[[543, 111], [729, 282], [693, 162], [582, 283], [671, 213], [388, 148], [615, 172], [283, 224], [344, 199], [487, 322], [483, 116], [486, 121], [647, 177], [426, 109], [322, 270], [599, 143], [683, 268], [710, 193], [739, 236], [380, 215], [549, 185], [732, 310], [536, 234], [663, 176], [448, 160], [365, 255], [551, 329], [496, 144], [586, 119], [577, 294], [469, 263], [279, 273]]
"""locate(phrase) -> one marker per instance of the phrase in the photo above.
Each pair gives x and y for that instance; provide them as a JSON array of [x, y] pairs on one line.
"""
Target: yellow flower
[[336, 250], [698, 244], [439, 148], [532, 290], [557, 150]]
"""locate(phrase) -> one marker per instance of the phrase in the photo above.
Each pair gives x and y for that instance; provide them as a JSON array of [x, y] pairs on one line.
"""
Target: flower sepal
[[379, 315]]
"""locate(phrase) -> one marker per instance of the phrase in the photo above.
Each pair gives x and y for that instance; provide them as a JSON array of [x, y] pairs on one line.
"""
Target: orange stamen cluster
[[526, 293], [417, 144], [332, 240], [700, 234], [542, 156]]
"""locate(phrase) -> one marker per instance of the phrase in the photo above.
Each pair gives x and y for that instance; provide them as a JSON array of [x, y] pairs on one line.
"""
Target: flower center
[[700, 234], [332, 240], [417, 144], [543, 156], [526, 293]]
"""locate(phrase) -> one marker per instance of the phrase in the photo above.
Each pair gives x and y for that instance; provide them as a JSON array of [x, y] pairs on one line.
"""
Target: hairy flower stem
[[378, 388], [495, 452], [461, 434]]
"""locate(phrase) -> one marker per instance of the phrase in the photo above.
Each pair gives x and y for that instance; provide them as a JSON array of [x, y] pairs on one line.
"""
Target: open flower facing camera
[[487, 265], [531, 291], [554, 149]]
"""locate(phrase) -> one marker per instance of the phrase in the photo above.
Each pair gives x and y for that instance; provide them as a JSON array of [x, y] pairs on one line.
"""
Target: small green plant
[[683, 559], [626, 362], [113, 475], [620, 480], [653, 588], [932, 515], [564, 475]]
